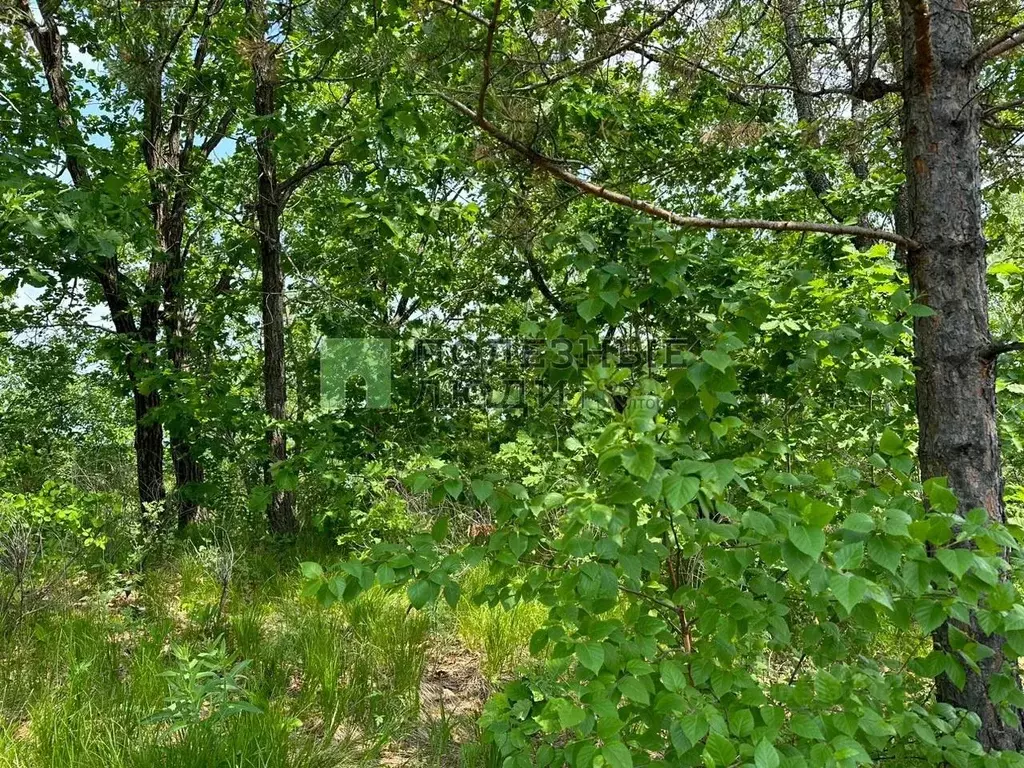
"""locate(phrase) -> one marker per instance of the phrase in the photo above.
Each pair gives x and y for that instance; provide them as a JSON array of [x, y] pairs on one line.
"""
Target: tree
[[173, 116], [954, 352]]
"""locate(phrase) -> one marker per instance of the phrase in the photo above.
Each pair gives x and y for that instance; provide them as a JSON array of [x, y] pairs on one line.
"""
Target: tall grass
[[501, 635], [78, 686]]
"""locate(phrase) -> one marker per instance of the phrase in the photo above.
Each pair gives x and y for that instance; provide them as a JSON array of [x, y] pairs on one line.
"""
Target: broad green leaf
[[680, 490], [639, 460], [482, 489], [848, 589], [765, 755], [591, 656], [616, 755], [810, 541]]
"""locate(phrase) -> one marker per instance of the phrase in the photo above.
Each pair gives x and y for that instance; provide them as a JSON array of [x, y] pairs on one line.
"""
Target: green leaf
[[482, 489], [765, 755], [929, 614], [939, 496], [616, 755], [422, 592], [891, 444], [957, 561], [718, 360], [590, 308], [680, 490], [806, 727], [538, 641], [848, 589], [634, 690], [587, 241], [920, 310], [439, 530], [884, 552], [453, 488], [850, 557], [311, 570], [569, 715], [452, 591], [720, 749], [672, 676], [639, 460], [741, 722], [591, 656], [810, 541]]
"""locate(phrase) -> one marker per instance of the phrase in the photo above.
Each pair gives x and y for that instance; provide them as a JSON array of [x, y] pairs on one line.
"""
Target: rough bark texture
[[149, 435], [281, 512], [166, 152], [956, 405]]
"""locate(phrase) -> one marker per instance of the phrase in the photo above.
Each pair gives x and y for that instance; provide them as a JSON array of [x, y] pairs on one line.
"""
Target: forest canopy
[[511, 383]]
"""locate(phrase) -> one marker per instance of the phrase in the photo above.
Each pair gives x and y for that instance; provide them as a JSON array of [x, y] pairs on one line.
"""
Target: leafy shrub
[[203, 686]]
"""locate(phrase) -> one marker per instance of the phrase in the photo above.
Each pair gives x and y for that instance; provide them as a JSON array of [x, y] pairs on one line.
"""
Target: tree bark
[[281, 512], [956, 403], [148, 442], [149, 453], [166, 152]]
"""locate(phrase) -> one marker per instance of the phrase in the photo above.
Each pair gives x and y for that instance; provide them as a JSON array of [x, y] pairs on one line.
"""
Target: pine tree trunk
[[956, 404]]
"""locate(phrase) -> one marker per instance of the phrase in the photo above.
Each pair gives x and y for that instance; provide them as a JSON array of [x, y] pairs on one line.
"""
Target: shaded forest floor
[[212, 657]]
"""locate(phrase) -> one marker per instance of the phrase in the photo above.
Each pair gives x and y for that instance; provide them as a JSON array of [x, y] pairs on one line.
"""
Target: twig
[[622, 47]]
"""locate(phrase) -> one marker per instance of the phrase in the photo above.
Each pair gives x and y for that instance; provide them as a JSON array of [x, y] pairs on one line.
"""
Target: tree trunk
[[149, 435], [956, 404], [149, 453], [187, 469], [281, 512]]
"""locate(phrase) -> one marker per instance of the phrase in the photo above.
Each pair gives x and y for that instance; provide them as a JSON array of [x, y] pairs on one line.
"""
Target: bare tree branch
[[464, 11], [995, 109], [176, 37], [303, 172], [219, 132], [622, 47], [492, 27], [541, 282], [1001, 347], [691, 222], [1000, 44]]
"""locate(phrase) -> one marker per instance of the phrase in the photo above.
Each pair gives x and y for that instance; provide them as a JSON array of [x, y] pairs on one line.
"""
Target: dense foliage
[[682, 397]]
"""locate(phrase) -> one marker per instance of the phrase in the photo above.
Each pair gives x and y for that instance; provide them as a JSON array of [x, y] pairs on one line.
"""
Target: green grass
[[501, 635], [82, 678]]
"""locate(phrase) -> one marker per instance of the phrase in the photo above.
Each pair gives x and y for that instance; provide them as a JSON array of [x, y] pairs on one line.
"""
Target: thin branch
[[219, 132], [692, 222], [1001, 347], [492, 27], [1005, 107], [542, 284], [173, 46], [662, 56], [1000, 44], [624, 46], [303, 172], [464, 11]]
